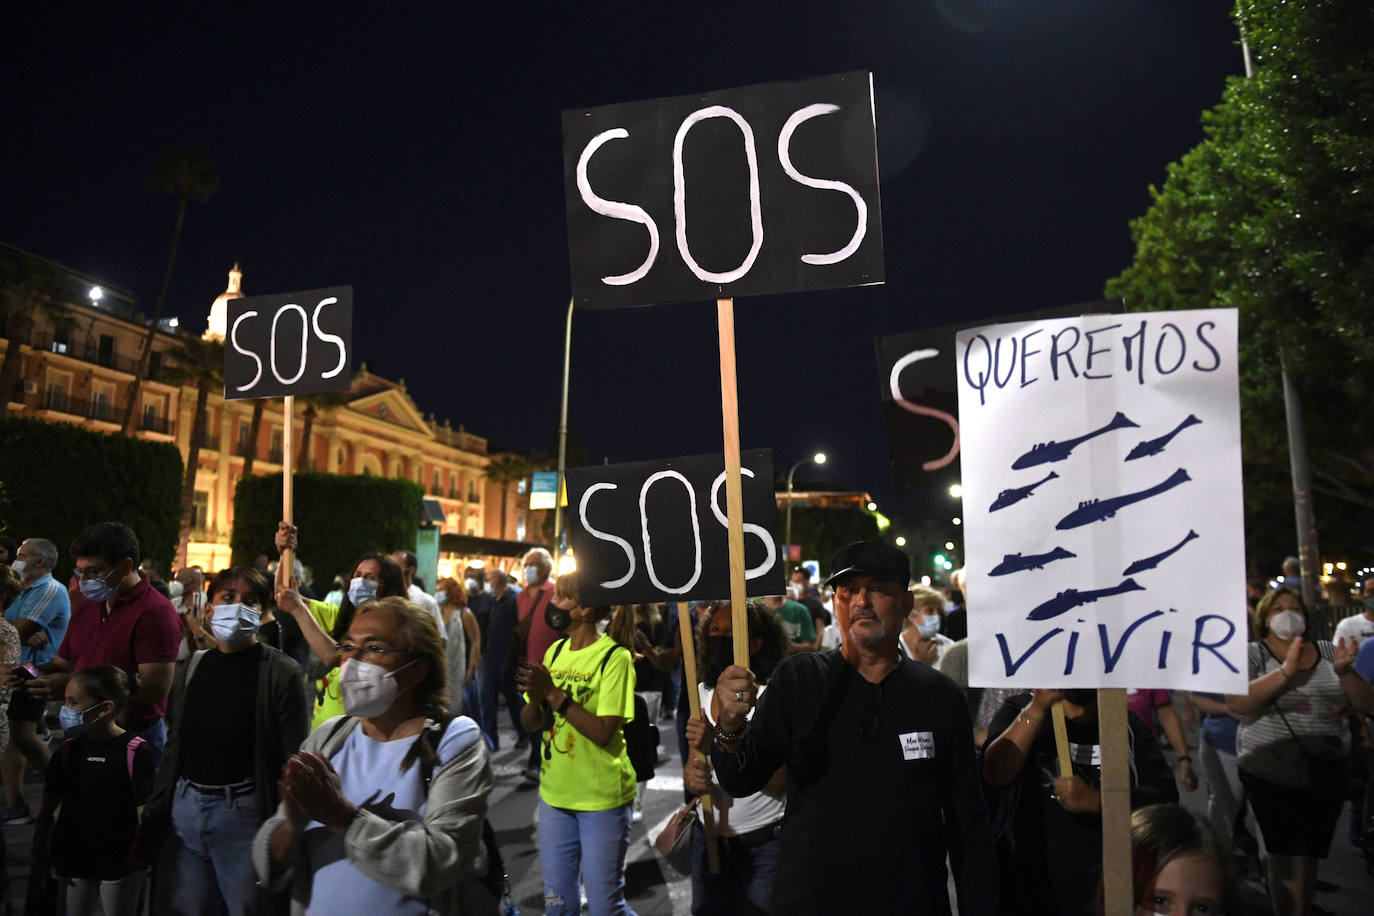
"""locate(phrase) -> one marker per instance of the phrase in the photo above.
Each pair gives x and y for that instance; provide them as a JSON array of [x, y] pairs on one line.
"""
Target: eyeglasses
[[369, 653], [90, 572]]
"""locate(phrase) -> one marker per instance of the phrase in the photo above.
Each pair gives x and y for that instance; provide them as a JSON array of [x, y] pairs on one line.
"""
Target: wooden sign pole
[[734, 499], [287, 564], [1061, 738], [1116, 801], [689, 684]]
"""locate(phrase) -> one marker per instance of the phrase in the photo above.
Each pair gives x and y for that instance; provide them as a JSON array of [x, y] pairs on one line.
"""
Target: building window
[[200, 511], [150, 416], [438, 487], [521, 486], [106, 354], [100, 406], [472, 490], [274, 450], [60, 339], [519, 527]]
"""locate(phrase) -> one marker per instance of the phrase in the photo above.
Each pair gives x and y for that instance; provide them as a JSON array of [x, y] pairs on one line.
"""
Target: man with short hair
[[40, 614], [537, 634], [1292, 575], [120, 620], [406, 560], [796, 623], [882, 782]]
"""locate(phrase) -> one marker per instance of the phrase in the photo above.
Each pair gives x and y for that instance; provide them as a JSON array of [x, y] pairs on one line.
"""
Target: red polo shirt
[[541, 634], [141, 627]]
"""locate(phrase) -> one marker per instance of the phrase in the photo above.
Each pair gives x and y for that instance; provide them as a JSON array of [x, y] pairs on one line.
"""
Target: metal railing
[[154, 424], [61, 402]]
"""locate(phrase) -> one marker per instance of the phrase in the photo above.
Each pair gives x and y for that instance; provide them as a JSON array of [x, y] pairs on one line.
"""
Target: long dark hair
[[392, 585], [763, 624]]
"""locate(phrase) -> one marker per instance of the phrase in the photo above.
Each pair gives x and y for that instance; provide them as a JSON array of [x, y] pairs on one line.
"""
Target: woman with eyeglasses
[[746, 828], [1293, 742], [236, 713], [374, 576], [382, 809], [580, 699]]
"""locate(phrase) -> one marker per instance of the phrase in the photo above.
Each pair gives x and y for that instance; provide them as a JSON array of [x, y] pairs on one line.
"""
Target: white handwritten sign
[[1103, 524], [289, 343]]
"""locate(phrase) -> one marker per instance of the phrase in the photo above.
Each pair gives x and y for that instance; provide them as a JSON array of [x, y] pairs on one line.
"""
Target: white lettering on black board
[[288, 344]]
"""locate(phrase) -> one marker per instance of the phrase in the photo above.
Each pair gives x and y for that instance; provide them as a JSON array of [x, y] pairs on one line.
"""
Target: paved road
[[654, 889]]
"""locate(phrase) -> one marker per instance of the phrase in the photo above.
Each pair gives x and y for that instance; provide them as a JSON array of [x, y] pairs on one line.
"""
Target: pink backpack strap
[[130, 750]]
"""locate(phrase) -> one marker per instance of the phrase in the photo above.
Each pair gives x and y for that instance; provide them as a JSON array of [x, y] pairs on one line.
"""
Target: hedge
[[57, 479], [340, 519]]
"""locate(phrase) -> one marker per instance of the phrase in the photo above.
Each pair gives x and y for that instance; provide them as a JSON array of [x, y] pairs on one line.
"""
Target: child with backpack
[[97, 782]]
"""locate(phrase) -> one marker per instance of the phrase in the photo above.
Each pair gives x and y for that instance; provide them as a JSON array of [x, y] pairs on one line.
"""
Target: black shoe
[[522, 742]]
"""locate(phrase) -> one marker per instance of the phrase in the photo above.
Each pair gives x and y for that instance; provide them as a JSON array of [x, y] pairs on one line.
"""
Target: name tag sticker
[[917, 745]]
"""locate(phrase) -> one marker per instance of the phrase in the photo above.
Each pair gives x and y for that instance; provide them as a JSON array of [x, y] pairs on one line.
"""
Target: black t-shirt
[[881, 784], [819, 614], [100, 801], [1051, 861], [217, 733], [504, 617]]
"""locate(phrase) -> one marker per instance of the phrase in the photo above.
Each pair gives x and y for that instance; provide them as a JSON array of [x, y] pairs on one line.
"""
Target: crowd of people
[[230, 743]]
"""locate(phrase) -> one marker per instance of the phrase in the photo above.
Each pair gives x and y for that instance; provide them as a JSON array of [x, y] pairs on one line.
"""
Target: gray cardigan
[[427, 859]]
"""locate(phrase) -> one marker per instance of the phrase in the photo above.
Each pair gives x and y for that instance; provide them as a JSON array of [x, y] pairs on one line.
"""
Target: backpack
[[641, 734], [129, 750]]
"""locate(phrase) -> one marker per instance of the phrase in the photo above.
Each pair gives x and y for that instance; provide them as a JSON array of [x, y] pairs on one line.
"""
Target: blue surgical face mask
[[234, 625], [929, 625], [97, 590], [441, 596], [74, 719], [531, 574], [361, 591]]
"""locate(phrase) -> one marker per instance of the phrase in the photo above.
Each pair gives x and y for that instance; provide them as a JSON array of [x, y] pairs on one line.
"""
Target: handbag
[[674, 842], [1329, 775]]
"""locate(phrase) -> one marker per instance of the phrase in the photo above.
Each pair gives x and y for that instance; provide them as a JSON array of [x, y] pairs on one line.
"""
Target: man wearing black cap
[[881, 779]]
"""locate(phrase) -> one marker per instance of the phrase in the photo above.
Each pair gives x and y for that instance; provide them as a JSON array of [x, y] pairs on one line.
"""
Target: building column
[[335, 442]]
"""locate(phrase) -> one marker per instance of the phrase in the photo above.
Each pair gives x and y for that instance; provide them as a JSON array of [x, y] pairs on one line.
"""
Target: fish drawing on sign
[[1155, 446], [1152, 562], [1046, 452], [1015, 562], [1071, 598], [1016, 494], [1098, 510]]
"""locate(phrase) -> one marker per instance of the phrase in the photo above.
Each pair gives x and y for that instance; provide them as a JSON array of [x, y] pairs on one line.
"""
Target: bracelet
[[723, 737], [1284, 673], [1033, 723], [563, 707]]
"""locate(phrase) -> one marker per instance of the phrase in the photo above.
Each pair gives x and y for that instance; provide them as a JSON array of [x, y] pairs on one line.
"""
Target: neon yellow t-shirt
[[573, 772], [328, 702]]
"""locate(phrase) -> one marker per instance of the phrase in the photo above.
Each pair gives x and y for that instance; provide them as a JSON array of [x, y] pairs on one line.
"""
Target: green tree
[[190, 175], [30, 289], [506, 470], [1273, 214], [199, 363]]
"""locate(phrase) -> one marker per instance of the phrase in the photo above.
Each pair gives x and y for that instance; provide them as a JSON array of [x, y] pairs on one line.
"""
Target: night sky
[[416, 154]]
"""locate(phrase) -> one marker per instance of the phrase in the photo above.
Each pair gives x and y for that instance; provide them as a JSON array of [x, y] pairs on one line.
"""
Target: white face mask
[[19, 566], [366, 689], [361, 591], [929, 625], [473, 586], [796, 591], [441, 596], [531, 574], [234, 625], [1287, 624], [176, 589]]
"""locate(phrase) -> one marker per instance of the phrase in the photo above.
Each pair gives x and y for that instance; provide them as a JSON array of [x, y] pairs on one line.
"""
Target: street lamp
[[901, 541], [956, 490], [819, 458]]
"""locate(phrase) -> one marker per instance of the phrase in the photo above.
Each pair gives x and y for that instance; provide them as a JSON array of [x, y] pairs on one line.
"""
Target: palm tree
[[190, 175], [199, 363], [254, 427], [30, 288], [315, 404], [506, 470]]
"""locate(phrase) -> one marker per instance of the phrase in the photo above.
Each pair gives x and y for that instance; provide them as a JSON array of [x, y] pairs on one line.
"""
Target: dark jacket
[[281, 726]]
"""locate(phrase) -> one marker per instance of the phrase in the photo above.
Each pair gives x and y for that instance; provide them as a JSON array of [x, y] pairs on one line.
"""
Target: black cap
[[881, 561]]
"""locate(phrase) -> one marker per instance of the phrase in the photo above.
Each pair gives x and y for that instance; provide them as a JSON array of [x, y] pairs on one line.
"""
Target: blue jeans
[[745, 882], [593, 843], [210, 856]]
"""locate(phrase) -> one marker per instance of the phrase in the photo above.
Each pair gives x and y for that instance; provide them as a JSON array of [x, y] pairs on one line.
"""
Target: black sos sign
[[289, 343], [762, 189], [657, 530]]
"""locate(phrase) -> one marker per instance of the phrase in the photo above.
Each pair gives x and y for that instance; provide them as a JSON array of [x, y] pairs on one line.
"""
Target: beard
[[870, 638]]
